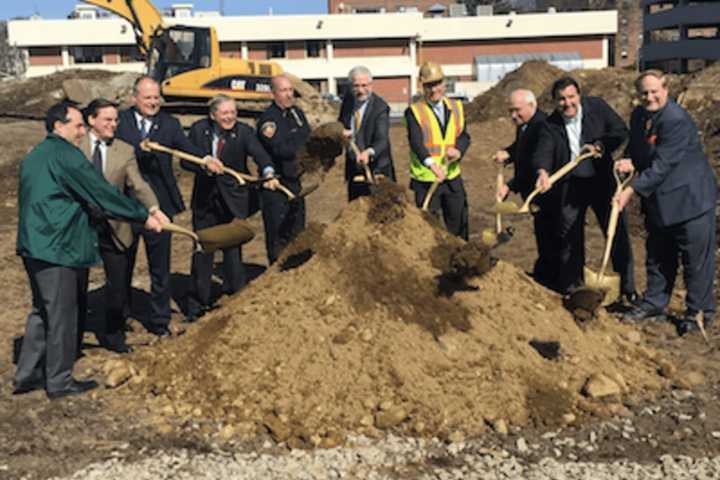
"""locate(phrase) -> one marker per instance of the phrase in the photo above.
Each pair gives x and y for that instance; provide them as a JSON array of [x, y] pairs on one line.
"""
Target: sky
[[61, 8]]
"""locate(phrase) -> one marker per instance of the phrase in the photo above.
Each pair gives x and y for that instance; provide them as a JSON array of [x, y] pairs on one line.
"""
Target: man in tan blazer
[[115, 159]]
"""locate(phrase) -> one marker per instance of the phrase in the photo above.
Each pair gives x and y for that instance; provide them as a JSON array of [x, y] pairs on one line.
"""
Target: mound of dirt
[[353, 336], [535, 75], [32, 97]]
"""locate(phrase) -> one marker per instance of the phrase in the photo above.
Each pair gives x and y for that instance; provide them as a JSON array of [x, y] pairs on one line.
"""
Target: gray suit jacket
[[121, 171]]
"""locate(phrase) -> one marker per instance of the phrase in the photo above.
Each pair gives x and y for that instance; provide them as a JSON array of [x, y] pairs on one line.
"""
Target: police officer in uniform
[[438, 141], [282, 130]]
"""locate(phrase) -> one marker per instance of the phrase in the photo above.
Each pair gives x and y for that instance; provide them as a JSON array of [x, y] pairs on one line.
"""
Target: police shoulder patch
[[268, 129]]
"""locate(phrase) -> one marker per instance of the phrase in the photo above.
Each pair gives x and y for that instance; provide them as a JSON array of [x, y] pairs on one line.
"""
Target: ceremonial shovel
[[242, 178]]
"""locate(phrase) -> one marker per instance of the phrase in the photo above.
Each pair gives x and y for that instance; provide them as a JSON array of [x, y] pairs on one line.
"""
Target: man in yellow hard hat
[[438, 141]]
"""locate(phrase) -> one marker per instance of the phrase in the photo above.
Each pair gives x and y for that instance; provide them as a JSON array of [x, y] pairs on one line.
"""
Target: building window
[[276, 50], [91, 54], [312, 49]]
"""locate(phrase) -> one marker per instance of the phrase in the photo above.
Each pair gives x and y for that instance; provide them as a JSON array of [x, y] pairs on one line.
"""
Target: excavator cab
[[177, 50], [187, 62]]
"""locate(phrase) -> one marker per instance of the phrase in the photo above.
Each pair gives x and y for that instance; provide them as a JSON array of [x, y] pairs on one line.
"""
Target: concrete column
[[605, 49], [332, 84], [413, 66], [244, 50], [65, 56]]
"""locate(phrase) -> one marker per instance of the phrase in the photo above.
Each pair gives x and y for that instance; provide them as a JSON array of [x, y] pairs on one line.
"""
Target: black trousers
[[576, 196], [158, 249], [546, 226], [694, 243], [49, 347], [234, 277], [283, 220], [116, 263], [449, 199]]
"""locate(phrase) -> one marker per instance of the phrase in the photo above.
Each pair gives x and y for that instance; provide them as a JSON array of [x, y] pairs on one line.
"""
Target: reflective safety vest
[[434, 141]]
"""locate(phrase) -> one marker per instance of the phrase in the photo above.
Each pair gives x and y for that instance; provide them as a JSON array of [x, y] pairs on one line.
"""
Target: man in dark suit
[[282, 130], [678, 190], [115, 160], [582, 123], [438, 141], [219, 199], [57, 190], [145, 120], [529, 121], [366, 117]]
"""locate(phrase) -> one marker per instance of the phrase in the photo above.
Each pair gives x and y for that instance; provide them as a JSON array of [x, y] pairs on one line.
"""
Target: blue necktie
[[97, 159]]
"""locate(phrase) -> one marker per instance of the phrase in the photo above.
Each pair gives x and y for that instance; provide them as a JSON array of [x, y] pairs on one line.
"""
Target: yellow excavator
[[186, 60]]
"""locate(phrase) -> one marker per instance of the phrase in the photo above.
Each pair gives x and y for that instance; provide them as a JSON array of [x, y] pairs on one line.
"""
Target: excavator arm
[[142, 14]]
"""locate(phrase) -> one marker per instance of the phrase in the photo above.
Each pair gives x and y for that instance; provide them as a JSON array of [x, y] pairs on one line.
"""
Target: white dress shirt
[[102, 146], [573, 127]]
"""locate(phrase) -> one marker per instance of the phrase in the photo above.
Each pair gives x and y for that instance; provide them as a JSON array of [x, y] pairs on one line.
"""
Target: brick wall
[[465, 52], [370, 48], [45, 56]]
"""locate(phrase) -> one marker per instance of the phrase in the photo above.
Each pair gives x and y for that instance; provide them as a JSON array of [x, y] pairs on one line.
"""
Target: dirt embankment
[[350, 334]]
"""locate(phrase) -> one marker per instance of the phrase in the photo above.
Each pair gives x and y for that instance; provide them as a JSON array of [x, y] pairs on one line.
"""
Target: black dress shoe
[[689, 324], [30, 387], [643, 312], [159, 330], [115, 342], [76, 387], [631, 298]]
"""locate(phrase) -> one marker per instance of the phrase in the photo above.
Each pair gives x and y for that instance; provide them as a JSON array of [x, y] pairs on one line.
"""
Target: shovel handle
[[369, 177], [500, 184], [428, 195], [613, 221], [149, 145], [561, 172], [173, 228]]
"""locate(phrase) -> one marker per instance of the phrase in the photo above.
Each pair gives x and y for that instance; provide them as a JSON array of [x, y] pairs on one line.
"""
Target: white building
[[473, 51]]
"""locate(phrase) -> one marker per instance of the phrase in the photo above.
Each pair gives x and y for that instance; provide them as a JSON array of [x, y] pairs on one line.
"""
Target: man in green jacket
[[58, 190]]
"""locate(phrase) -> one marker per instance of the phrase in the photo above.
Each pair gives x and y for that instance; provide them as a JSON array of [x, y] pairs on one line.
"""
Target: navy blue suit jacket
[[240, 142], [156, 167], [674, 179]]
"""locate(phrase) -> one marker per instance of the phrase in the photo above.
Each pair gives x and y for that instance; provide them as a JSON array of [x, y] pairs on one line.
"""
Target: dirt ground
[[308, 355]]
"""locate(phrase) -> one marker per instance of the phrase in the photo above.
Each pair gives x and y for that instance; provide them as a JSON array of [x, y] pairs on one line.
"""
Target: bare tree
[[11, 58]]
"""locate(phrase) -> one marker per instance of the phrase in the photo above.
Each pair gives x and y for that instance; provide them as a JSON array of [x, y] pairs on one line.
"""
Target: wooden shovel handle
[[429, 194], [148, 145], [171, 227], [368, 173], [500, 184], [561, 172], [613, 221]]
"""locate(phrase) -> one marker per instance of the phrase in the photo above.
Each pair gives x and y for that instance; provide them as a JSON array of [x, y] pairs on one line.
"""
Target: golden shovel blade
[[508, 207], [225, 235], [608, 283]]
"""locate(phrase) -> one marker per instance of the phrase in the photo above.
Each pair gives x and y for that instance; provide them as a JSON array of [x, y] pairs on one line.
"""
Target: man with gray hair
[[529, 121], [366, 117], [217, 199]]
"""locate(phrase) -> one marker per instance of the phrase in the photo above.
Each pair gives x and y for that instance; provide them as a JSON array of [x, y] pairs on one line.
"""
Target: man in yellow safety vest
[[438, 140]]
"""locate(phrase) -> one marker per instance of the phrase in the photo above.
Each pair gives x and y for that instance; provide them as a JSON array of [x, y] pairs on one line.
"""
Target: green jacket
[[57, 188]]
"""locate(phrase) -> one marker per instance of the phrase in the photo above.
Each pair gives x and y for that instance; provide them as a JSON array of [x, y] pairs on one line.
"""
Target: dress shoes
[[76, 387], [29, 387], [644, 312], [159, 330], [688, 324], [115, 342], [630, 298], [195, 310]]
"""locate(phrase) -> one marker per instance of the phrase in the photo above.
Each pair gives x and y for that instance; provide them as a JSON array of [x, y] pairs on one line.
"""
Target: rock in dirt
[[598, 385], [117, 372]]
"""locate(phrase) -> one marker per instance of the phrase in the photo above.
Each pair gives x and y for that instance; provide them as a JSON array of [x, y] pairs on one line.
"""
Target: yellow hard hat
[[430, 72]]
